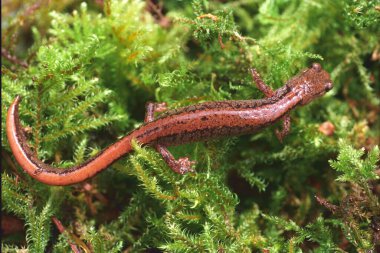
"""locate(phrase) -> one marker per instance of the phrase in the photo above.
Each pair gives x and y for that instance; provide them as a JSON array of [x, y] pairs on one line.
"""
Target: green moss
[[85, 72]]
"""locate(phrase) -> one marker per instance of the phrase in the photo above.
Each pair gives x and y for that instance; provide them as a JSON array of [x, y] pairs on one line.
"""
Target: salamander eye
[[317, 67], [328, 86]]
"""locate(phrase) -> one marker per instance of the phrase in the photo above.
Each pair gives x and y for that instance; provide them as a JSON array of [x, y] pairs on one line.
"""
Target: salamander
[[193, 123]]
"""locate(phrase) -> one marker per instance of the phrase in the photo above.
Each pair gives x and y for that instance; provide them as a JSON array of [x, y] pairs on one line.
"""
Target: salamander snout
[[317, 67], [328, 86], [312, 83]]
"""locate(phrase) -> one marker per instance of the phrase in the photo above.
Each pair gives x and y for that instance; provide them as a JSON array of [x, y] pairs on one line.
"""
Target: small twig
[[213, 18], [62, 230], [157, 9], [328, 205], [11, 164], [31, 9], [7, 55], [208, 15], [73, 237], [235, 35], [221, 41], [90, 191]]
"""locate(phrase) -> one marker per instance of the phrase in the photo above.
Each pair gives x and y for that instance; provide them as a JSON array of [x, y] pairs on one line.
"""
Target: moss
[[85, 71]]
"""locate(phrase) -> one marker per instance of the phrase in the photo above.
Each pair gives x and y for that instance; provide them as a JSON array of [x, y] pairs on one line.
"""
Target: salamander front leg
[[264, 88], [183, 164], [151, 108]]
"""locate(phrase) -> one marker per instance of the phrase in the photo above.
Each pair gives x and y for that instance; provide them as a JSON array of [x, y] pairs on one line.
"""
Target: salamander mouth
[[321, 93], [328, 87], [315, 95]]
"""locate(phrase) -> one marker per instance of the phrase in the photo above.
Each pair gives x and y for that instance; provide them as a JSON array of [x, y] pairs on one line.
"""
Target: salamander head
[[311, 83]]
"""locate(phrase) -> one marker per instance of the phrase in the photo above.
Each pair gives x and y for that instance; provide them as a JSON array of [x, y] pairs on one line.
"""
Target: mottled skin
[[189, 124]]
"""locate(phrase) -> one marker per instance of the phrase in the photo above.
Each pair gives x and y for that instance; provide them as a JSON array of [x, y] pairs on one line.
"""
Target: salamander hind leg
[[180, 166], [268, 91], [285, 128], [183, 164]]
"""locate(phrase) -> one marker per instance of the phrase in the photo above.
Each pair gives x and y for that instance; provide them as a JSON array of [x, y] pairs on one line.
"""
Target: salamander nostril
[[328, 86], [317, 67]]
